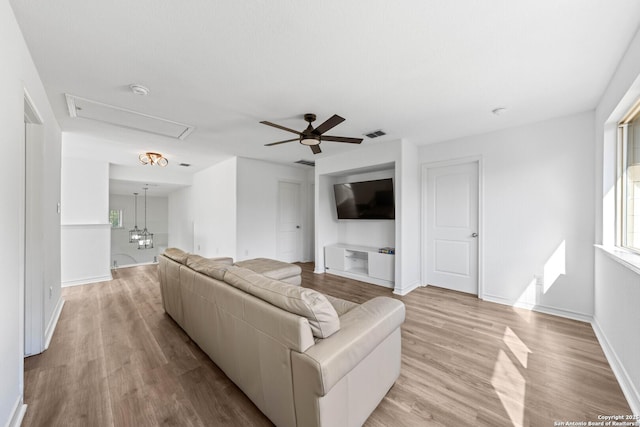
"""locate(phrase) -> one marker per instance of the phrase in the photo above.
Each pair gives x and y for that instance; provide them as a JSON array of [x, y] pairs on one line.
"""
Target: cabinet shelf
[[360, 263]]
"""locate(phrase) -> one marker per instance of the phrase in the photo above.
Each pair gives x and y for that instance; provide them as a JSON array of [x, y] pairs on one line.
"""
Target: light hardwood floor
[[116, 359]]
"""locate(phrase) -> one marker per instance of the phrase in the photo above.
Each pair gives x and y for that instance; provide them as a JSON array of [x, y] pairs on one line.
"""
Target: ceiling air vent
[[306, 163], [186, 165], [93, 110], [375, 134]]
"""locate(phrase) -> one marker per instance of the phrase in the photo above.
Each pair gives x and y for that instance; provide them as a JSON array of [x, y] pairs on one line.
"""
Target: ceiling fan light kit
[[310, 141], [313, 137]]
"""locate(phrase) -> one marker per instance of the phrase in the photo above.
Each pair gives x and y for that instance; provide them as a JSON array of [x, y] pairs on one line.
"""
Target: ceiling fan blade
[[331, 122], [282, 142], [315, 148], [341, 139], [280, 127]]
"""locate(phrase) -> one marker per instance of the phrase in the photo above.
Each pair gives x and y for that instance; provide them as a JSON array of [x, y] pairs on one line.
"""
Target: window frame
[[622, 141], [120, 221]]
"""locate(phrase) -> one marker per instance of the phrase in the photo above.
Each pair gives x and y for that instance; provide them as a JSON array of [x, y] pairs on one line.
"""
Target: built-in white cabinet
[[360, 263]]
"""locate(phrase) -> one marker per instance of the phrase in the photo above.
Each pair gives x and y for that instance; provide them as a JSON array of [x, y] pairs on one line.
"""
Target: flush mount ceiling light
[[150, 158], [139, 89]]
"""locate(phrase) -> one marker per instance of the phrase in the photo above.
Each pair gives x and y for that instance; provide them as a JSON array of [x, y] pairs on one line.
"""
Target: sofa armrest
[[362, 329]]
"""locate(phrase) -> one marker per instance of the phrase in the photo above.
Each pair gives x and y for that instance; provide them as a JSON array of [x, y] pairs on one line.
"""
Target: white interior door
[[289, 229], [452, 227]]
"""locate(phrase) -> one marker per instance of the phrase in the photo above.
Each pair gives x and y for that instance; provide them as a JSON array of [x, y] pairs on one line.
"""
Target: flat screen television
[[365, 200]]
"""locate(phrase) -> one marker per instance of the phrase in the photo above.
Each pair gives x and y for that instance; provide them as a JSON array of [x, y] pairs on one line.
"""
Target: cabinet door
[[381, 266], [334, 258]]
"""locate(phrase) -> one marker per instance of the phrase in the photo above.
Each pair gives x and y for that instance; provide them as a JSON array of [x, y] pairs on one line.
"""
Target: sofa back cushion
[[304, 302], [210, 267], [176, 254]]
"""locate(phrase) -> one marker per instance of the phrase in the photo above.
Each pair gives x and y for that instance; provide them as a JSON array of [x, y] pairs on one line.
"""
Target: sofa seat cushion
[[342, 306], [178, 255], [312, 305], [274, 269]]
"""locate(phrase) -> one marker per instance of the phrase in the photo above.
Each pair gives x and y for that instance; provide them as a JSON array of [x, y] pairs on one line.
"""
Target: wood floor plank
[[116, 359]]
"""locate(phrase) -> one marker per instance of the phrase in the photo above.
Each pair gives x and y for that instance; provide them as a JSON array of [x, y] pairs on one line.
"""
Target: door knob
[[474, 235]]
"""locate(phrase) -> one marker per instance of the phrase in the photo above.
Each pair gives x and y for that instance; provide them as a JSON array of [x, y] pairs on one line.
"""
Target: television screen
[[365, 200]]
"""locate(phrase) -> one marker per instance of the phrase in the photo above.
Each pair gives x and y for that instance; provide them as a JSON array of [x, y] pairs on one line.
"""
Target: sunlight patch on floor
[[517, 347], [508, 380]]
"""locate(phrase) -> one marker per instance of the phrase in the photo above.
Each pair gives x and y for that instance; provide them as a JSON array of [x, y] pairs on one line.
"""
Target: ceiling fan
[[313, 137]]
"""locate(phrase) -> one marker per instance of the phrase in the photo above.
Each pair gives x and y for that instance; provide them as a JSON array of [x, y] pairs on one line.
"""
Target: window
[[629, 174], [115, 218]]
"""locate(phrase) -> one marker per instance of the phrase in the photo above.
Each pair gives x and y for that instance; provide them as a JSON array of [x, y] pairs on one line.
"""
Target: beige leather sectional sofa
[[305, 359]]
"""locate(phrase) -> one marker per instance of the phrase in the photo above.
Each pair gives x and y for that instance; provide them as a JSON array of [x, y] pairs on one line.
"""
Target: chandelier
[[150, 158], [145, 241], [134, 234]]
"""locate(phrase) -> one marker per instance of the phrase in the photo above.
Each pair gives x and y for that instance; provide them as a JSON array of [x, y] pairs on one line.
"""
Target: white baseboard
[[17, 414], [626, 384], [87, 281], [581, 317], [405, 291], [53, 323]]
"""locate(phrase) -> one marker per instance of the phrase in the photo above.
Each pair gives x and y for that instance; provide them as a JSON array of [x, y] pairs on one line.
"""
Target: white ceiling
[[423, 70]]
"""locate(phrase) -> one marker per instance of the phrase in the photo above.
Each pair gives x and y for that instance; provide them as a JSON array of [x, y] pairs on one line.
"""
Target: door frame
[[34, 293], [301, 212], [423, 214]]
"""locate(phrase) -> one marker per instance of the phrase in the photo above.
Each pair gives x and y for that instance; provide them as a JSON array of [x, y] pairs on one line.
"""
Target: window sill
[[629, 259]]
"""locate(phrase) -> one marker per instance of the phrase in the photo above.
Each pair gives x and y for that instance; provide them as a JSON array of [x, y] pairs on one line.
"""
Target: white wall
[[617, 322], [18, 74], [86, 232], [538, 199], [205, 213], [257, 209], [366, 158], [231, 209], [408, 226], [617, 286], [125, 253], [180, 220], [85, 190]]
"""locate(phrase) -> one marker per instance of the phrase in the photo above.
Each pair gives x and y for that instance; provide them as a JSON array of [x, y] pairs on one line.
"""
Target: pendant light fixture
[[134, 234], [146, 239]]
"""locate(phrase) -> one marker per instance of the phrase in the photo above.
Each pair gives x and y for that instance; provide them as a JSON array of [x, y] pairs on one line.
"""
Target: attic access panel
[[117, 116]]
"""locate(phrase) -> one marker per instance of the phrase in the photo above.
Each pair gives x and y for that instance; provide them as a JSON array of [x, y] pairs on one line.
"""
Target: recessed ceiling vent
[[375, 134], [306, 163], [93, 110], [185, 165]]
